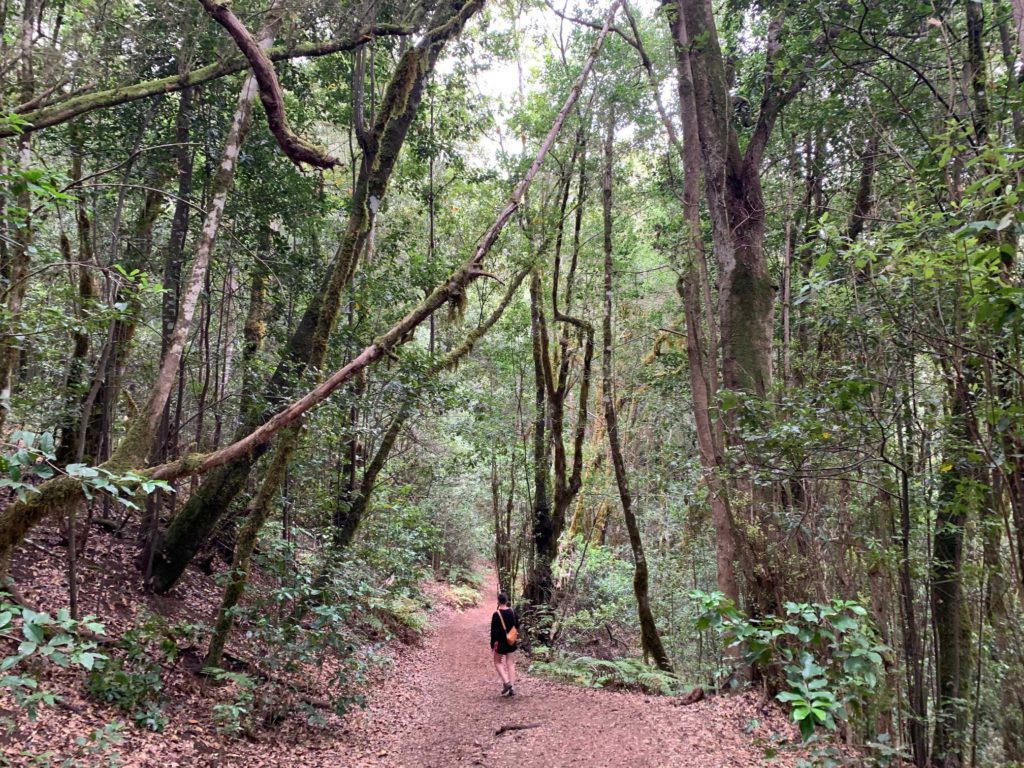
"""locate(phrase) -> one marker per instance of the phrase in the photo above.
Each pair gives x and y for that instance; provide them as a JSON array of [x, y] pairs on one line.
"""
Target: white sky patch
[[505, 84]]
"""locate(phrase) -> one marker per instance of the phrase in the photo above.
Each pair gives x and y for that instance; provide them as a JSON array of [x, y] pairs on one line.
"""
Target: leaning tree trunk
[[649, 638]]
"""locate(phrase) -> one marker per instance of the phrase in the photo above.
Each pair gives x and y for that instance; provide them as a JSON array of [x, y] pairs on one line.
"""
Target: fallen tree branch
[[295, 147], [507, 728]]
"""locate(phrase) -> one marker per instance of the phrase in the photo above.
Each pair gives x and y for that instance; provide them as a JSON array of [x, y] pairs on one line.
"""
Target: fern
[[625, 673]]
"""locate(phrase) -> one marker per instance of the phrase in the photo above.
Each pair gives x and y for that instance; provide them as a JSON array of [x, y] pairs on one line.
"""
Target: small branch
[[481, 273], [296, 148], [507, 728]]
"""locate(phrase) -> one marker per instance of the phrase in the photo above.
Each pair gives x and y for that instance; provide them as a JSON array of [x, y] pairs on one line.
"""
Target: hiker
[[504, 633]]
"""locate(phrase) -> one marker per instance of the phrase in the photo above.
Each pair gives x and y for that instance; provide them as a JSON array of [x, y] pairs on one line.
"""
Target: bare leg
[[499, 664], [510, 667]]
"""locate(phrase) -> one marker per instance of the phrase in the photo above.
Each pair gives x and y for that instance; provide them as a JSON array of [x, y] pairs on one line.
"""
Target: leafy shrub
[[405, 612], [47, 640], [609, 608], [397, 540], [299, 616], [828, 654], [133, 681], [459, 576], [236, 716], [32, 462]]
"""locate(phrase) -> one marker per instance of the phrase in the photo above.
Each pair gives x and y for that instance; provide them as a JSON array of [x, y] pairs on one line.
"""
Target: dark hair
[[502, 598]]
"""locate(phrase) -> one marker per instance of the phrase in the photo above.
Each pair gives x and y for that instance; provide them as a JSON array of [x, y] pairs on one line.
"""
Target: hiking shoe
[[507, 690], [511, 691]]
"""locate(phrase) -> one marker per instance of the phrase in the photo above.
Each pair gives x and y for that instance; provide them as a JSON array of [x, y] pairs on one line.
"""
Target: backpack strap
[[502, 620]]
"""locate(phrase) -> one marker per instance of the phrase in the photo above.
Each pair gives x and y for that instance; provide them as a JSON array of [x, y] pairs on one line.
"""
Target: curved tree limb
[[294, 146]]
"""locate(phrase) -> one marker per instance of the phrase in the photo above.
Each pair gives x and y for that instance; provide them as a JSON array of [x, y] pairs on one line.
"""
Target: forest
[[694, 326]]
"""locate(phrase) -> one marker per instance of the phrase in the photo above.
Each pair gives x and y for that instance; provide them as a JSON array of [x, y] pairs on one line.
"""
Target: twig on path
[[506, 728]]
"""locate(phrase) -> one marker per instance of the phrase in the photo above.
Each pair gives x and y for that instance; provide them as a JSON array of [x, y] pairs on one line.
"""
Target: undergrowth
[[624, 674]]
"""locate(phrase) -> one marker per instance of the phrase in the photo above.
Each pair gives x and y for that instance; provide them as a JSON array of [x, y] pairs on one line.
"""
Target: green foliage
[[398, 539], [406, 612], [606, 579], [460, 576], [463, 596], [97, 749], [32, 462], [133, 680], [28, 465], [235, 716], [829, 654], [46, 639], [299, 618], [624, 673]]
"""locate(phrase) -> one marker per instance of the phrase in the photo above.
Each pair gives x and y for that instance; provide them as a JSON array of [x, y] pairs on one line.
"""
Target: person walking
[[504, 634]]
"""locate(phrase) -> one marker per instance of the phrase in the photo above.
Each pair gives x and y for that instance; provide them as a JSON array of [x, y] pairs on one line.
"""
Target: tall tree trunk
[[545, 543], [913, 652], [20, 250], [702, 353], [649, 637], [952, 636], [86, 297]]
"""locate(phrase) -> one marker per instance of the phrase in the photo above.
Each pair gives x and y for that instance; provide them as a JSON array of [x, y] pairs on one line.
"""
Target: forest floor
[[435, 704], [443, 708]]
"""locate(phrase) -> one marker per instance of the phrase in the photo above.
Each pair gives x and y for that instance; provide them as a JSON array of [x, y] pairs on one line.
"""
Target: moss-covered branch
[[62, 111]]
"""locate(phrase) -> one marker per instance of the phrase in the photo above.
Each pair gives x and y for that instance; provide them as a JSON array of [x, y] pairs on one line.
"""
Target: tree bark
[[649, 637]]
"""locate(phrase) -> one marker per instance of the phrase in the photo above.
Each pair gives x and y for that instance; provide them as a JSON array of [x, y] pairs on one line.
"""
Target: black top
[[498, 634]]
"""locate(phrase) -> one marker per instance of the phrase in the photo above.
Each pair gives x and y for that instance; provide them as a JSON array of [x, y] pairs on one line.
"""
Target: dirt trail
[[442, 708]]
